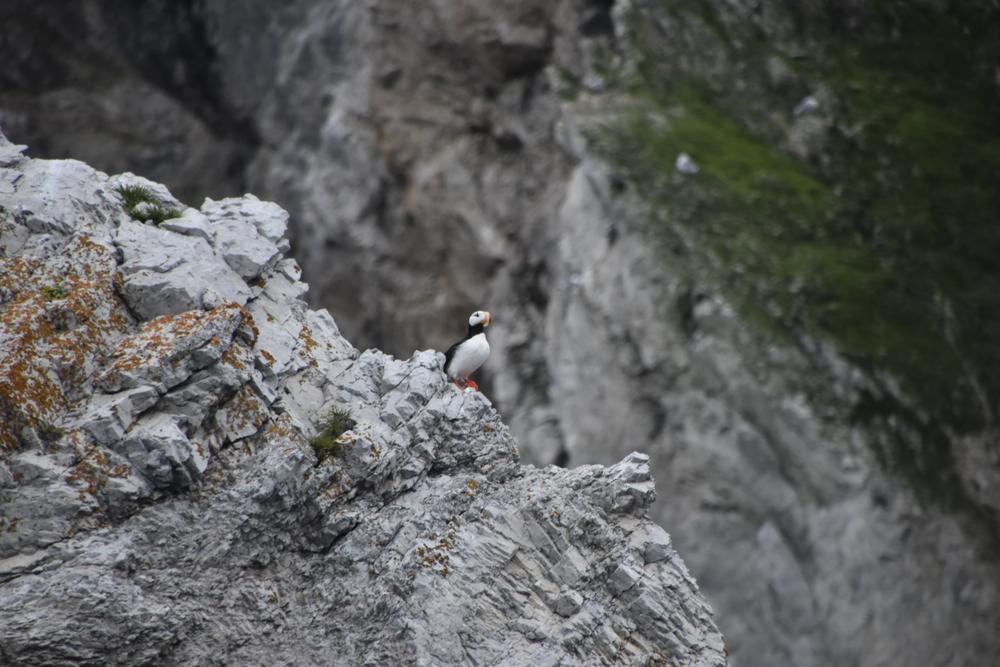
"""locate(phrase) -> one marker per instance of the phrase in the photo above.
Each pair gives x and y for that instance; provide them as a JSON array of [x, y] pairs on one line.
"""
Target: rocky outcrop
[[440, 156], [161, 504]]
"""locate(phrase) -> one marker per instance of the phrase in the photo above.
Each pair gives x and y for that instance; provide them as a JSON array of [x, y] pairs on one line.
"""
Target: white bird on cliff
[[466, 356]]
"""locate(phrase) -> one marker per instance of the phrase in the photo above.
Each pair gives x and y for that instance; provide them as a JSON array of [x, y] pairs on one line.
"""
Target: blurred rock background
[[797, 321]]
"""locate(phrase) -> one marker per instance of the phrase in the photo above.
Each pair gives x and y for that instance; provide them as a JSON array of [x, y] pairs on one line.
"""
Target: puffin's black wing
[[449, 355]]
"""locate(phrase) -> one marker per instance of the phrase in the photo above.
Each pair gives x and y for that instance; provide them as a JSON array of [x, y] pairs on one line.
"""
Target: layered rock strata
[[161, 504]]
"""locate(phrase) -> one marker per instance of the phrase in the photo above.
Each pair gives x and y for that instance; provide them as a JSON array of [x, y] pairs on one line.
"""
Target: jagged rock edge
[[375, 386]]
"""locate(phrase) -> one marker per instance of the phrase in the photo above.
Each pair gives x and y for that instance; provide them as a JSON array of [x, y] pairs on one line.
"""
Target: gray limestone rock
[[164, 504], [160, 451], [167, 350], [269, 219], [191, 223], [10, 154], [161, 275], [247, 252], [108, 416]]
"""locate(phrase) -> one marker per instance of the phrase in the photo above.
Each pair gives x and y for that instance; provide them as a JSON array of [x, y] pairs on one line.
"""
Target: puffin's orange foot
[[472, 384]]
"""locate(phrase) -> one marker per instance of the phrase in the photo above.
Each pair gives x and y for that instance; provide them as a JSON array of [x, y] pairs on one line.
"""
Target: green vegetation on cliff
[[143, 204], [327, 442], [883, 240]]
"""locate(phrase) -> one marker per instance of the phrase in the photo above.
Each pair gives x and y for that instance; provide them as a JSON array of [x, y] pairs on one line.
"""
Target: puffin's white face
[[480, 317]]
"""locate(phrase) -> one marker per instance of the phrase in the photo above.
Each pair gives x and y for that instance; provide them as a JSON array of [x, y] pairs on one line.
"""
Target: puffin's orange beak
[[489, 319]]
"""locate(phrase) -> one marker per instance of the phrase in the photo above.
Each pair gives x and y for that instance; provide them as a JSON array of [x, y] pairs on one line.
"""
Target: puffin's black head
[[478, 321]]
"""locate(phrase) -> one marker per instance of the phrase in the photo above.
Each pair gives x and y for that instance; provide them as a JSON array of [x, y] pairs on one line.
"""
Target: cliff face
[[442, 156], [161, 503]]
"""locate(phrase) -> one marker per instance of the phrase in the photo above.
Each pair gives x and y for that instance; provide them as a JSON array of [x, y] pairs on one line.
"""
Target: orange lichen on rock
[[248, 321], [161, 351], [231, 357], [309, 345], [283, 427], [243, 415], [305, 335], [15, 274], [58, 322], [91, 473]]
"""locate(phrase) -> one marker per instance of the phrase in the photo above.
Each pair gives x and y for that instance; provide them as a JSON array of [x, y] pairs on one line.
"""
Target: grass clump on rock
[[55, 293], [327, 443], [143, 204], [50, 433]]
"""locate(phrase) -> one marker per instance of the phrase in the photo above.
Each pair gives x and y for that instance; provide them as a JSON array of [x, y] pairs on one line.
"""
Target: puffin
[[466, 356]]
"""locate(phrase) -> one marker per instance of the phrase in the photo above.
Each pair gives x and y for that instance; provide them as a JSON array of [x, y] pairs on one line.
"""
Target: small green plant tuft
[[50, 432], [55, 293], [142, 204], [326, 444]]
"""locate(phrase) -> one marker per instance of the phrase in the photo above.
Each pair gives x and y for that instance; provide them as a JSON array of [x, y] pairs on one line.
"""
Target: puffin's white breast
[[469, 356]]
